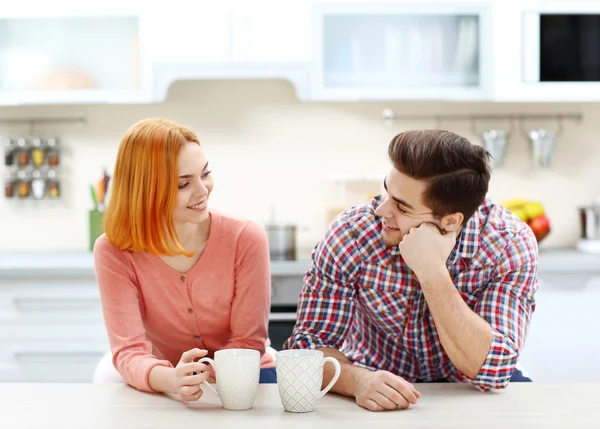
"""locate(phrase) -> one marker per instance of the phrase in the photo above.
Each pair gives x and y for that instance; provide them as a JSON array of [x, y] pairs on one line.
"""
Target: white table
[[521, 405]]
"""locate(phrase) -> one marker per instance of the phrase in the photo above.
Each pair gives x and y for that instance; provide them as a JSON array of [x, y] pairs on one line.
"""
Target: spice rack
[[33, 164], [32, 168]]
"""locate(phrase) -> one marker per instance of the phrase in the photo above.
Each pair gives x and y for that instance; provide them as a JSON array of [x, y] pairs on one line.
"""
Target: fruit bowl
[[532, 213]]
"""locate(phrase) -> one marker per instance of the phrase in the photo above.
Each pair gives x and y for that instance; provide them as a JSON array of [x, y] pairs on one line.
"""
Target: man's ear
[[453, 222]]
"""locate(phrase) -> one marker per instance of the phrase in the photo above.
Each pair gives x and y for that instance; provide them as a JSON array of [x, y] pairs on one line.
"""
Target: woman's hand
[[185, 383]]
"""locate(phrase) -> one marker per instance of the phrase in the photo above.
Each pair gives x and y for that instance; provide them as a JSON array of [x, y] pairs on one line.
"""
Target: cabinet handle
[[56, 304], [36, 356]]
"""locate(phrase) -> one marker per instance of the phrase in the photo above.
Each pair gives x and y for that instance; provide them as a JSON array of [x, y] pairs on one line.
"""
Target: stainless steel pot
[[282, 241], [590, 222]]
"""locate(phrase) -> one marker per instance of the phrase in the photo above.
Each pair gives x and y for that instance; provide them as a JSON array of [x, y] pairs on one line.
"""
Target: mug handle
[[205, 382], [338, 371]]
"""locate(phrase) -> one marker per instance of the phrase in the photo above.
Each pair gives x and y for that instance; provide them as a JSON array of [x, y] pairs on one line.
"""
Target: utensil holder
[[96, 226]]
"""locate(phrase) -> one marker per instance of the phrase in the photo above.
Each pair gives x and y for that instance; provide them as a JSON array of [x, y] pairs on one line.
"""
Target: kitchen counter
[[444, 405], [81, 264]]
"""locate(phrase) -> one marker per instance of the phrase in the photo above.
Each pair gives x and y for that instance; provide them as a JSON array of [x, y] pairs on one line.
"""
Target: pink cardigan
[[153, 314]]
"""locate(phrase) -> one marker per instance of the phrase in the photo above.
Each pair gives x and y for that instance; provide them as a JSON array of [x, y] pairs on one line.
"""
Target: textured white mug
[[299, 378], [237, 373]]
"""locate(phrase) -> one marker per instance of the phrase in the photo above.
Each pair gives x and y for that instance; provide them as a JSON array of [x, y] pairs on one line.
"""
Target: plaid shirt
[[360, 297]]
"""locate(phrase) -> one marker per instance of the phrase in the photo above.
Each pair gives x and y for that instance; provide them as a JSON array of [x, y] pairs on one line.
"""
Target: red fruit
[[540, 226]]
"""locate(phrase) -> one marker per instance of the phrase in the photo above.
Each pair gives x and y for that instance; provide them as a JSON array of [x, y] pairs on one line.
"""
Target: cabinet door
[[401, 51], [50, 361], [46, 302], [271, 33], [72, 59], [201, 35], [563, 343]]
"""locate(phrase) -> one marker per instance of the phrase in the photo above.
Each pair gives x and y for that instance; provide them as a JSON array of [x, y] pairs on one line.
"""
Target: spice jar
[[53, 185], [24, 184], [9, 151], [9, 186], [38, 155], [22, 152], [38, 185], [53, 152]]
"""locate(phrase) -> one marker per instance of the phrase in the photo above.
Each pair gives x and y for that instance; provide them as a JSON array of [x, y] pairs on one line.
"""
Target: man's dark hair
[[457, 172]]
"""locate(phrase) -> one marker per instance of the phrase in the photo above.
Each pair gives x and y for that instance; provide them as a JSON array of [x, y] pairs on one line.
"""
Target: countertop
[[81, 264], [444, 405]]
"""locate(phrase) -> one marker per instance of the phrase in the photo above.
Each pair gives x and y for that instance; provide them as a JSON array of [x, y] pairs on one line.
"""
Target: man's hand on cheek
[[425, 248]]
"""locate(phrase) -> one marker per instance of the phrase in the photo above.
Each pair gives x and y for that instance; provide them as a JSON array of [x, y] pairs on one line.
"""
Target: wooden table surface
[[444, 405]]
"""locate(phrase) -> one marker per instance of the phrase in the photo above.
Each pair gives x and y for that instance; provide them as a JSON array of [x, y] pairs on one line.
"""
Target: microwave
[[561, 46]]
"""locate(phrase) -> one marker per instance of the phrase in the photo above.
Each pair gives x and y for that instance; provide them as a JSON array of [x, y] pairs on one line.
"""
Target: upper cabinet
[[552, 55], [73, 59], [275, 32], [401, 51], [229, 40], [479, 50]]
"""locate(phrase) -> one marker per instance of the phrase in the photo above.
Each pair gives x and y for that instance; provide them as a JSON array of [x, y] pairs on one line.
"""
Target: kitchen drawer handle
[[56, 304], [40, 355], [282, 317]]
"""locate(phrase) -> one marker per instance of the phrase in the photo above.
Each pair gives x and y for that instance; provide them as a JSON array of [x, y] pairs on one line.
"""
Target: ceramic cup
[[299, 378], [237, 372]]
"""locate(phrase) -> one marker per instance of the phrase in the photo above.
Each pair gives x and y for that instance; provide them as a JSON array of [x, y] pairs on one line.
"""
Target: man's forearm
[[465, 336], [347, 381]]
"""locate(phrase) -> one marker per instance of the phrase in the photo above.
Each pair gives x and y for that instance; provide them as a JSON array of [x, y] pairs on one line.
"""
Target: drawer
[[15, 330], [49, 301], [57, 362]]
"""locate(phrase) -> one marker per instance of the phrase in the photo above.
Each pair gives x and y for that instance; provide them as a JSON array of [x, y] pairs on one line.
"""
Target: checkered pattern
[[360, 297]]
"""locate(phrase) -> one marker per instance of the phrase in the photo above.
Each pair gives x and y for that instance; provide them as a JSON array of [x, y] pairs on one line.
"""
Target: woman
[[177, 280]]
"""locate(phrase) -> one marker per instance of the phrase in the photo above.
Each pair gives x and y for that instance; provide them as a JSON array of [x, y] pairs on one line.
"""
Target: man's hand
[[382, 390], [425, 248]]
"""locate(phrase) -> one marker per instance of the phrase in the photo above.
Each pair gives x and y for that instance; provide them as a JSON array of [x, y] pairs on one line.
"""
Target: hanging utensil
[[542, 146], [495, 142]]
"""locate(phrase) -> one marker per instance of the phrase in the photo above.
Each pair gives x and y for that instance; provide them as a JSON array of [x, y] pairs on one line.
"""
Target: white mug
[[299, 377], [237, 373]]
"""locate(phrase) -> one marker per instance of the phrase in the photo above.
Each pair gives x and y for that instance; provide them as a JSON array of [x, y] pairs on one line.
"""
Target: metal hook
[[473, 122], [559, 131], [524, 132]]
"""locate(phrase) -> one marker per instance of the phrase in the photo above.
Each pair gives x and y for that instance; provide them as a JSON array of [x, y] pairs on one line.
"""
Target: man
[[429, 282]]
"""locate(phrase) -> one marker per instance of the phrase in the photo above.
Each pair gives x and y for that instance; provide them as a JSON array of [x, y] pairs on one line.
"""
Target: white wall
[[267, 149]]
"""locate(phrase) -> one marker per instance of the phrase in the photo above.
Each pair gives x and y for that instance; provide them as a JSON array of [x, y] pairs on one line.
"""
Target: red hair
[[145, 184]]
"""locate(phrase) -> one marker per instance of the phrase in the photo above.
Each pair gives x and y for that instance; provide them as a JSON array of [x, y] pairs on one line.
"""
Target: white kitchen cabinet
[[200, 34], [563, 342], [229, 41], [49, 361], [401, 51], [517, 65], [225, 32], [51, 328], [73, 58], [271, 33]]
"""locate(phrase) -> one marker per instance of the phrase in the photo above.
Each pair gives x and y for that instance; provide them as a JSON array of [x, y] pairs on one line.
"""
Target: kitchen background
[[295, 103], [271, 153]]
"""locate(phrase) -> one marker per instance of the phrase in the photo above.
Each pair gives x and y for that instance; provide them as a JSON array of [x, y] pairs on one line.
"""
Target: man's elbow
[[498, 382], [496, 372]]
